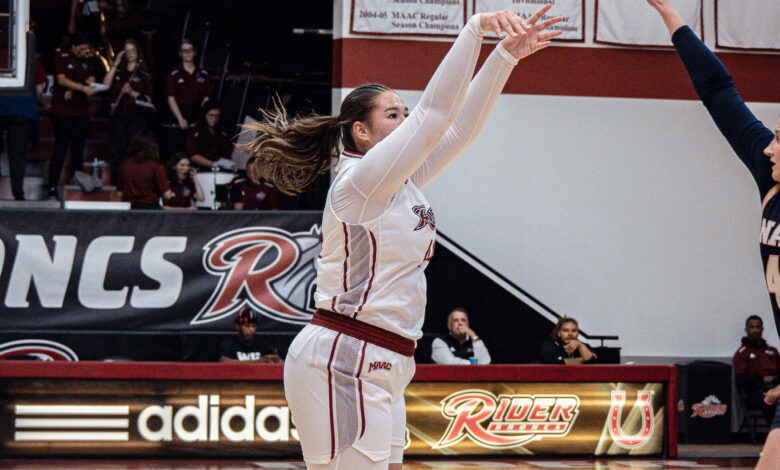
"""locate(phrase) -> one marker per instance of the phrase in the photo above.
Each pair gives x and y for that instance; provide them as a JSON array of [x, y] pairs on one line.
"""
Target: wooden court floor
[[492, 464]]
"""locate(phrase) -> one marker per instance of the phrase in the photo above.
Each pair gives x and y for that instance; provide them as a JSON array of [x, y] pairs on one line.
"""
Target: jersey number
[[773, 277]]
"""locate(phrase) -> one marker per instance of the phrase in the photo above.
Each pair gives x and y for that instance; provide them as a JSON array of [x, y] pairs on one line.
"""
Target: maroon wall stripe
[[563, 71]]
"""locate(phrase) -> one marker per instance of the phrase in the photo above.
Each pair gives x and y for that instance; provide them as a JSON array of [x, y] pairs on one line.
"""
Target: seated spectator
[[141, 178], [460, 345], [184, 183], [563, 347], [756, 366], [131, 91], [250, 196], [207, 143], [74, 70], [187, 88], [245, 346]]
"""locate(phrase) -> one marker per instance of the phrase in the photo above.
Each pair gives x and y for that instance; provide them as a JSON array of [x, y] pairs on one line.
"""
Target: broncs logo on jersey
[[506, 421], [267, 268]]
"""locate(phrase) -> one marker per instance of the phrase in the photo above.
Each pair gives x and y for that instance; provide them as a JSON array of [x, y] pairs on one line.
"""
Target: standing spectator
[[756, 366], [184, 183], [250, 196], [563, 347], [187, 88], [74, 70], [246, 347], [141, 178], [19, 116], [129, 81], [207, 142], [461, 345]]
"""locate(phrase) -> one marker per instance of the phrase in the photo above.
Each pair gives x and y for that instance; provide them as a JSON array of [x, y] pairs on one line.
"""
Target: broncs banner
[[219, 418], [82, 270]]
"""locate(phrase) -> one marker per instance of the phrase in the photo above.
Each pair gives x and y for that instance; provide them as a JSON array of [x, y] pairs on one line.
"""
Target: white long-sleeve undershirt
[[364, 192]]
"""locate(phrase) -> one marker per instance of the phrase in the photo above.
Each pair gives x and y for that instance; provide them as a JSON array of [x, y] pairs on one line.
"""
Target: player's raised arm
[[388, 163], [483, 93], [712, 82]]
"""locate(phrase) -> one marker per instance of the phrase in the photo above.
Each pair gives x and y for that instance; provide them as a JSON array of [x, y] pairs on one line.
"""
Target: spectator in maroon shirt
[[74, 70], [756, 366], [207, 143], [141, 178], [184, 183], [250, 196], [187, 88], [130, 83]]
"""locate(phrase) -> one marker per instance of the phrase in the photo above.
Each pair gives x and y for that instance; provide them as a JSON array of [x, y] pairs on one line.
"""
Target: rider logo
[[427, 217], [269, 269], [641, 437], [709, 408], [506, 421], [40, 349]]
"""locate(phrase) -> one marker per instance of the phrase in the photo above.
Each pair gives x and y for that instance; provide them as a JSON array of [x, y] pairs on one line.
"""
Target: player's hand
[[535, 37], [502, 23], [772, 395], [660, 4]]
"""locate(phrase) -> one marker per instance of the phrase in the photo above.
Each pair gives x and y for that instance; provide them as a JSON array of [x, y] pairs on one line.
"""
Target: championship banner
[[635, 23], [747, 24], [178, 270], [408, 17], [572, 11], [250, 417]]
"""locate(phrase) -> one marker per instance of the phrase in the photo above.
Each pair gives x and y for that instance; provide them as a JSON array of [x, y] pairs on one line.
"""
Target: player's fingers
[[547, 23], [542, 45], [506, 26], [495, 26], [546, 36], [518, 25], [536, 16]]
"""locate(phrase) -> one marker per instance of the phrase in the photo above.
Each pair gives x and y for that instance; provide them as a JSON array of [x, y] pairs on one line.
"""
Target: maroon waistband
[[363, 331]]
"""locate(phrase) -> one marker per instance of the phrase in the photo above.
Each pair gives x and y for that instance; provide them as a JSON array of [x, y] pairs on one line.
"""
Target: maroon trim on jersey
[[370, 278], [330, 399], [360, 392], [364, 331], [346, 255], [351, 154]]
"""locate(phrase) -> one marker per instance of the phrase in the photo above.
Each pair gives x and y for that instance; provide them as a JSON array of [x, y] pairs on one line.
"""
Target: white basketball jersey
[[374, 271]]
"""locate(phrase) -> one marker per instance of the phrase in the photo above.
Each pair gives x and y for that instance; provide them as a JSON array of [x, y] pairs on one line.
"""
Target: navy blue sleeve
[[746, 134]]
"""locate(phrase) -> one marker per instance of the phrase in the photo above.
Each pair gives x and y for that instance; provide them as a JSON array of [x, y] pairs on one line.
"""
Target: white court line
[[70, 423], [71, 410], [70, 436]]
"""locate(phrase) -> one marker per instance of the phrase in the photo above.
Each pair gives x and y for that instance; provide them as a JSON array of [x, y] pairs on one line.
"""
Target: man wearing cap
[[246, 347], [460, 345]]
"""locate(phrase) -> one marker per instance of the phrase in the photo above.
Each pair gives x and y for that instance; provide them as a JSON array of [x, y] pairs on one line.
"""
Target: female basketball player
[[346, 371], [757, 147]]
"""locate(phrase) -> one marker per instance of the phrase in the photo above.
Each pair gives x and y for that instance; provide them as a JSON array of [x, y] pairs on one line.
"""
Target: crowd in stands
[[177, 130]]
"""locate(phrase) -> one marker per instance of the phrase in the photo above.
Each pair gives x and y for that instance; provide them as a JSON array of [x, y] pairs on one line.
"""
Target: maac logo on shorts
[[426, 216], [40, 349], [269, 269], [506, 421]]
